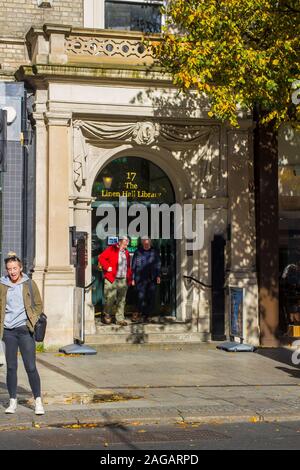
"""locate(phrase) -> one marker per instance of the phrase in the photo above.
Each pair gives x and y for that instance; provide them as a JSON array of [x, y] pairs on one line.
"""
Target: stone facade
[[105, 80], [16, 19]]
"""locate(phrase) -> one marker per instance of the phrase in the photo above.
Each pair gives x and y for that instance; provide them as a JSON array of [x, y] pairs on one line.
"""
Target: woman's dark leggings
[[23, 339]]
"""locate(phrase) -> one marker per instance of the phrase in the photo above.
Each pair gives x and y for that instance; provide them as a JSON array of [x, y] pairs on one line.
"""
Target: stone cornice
[[9, 40], [73, 73], [57, 119], [245, 126], [57, 29], [110, 33]]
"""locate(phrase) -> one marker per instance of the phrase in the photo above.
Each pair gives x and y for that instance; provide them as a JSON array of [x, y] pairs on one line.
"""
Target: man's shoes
[[12, 406], [39, 409], [122, 323], [136, 317], [107, 319]]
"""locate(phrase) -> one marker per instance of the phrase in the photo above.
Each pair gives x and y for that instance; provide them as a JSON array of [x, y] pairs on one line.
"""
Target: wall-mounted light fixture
[[107, 181], [44, 3]]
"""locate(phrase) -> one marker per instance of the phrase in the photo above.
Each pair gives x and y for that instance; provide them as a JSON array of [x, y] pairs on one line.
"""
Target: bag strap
[[31, 293]]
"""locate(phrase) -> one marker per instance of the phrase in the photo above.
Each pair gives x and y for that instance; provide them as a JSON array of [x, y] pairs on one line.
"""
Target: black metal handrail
[[198, 282], [89, 285]]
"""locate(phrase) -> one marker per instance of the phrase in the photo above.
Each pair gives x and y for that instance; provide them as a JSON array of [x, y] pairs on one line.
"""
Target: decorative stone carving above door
[[196, 147]]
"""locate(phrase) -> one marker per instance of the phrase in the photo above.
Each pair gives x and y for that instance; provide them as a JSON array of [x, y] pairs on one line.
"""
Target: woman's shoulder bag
[[41, 324]]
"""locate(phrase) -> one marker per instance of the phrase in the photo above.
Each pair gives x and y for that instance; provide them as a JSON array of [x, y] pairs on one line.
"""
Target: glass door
[[145, 183]]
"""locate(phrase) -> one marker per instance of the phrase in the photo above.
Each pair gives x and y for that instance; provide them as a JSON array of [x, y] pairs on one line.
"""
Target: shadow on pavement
[[284, 356], [295, 373], [119, 431]]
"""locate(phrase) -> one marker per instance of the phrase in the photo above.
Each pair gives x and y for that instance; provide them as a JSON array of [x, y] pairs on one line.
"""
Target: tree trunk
[[267, 225]]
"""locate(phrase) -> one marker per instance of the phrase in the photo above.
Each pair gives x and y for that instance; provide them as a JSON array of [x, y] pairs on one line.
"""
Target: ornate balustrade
[[55, 44]]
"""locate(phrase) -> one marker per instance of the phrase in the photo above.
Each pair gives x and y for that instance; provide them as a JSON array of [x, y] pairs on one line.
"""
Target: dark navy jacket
[[145, 265]]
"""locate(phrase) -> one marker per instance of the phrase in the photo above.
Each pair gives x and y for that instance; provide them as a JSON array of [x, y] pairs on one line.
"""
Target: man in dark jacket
[[146, 266]]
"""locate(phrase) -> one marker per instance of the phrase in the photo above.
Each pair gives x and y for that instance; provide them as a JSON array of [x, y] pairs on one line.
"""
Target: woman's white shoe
[[39, 409], [12, 406]]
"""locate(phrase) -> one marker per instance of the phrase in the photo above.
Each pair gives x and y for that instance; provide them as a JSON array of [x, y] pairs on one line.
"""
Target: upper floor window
[[128, 15], [132, 15]]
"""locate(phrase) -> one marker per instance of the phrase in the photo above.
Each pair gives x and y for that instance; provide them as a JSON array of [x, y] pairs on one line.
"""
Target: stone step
[[131, 347], [142, 337], [135, 328]]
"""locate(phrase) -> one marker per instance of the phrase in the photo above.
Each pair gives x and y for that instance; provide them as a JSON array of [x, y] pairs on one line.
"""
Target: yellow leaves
[[81, 426], [237, 52], [184, 79], [192, 61], [254, 419]]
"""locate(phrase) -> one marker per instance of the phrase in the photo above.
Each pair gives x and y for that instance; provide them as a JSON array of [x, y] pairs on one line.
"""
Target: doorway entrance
[[141, 182]]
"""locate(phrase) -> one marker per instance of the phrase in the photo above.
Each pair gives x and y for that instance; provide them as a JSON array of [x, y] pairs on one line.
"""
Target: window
[[132, 15]]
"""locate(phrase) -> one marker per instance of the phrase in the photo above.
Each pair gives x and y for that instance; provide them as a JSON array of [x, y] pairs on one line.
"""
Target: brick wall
[[12, 55], [18, 16]]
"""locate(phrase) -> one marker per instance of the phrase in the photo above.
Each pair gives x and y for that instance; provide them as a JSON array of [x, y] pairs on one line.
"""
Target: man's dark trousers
[[146, 297]]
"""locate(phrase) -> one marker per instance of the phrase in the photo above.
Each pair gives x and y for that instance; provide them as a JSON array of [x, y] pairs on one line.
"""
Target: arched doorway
[[142, 182]]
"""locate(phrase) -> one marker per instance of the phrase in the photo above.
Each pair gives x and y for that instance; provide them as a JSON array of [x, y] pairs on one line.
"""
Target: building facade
[[102, 112]]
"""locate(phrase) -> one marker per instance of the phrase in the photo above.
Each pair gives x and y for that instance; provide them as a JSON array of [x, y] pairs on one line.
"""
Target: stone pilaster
[[59, 276], [41, 203], [242, 256]]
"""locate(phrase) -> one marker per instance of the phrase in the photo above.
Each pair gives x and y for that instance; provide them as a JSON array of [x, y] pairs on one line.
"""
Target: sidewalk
[[182, 384]]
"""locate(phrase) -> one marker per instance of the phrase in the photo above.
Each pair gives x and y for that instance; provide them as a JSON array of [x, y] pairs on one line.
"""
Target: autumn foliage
[[239, 53]]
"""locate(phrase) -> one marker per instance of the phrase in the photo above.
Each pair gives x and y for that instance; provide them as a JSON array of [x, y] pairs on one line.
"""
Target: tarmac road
[[189, 437]]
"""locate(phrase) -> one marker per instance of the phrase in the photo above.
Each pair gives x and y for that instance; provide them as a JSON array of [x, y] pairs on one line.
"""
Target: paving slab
[[202, 384]]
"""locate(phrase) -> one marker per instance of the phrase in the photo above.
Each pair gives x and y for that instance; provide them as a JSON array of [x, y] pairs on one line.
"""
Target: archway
[[142, 182]]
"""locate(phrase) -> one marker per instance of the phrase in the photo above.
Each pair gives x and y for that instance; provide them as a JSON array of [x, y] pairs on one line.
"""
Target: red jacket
[[110, 258]]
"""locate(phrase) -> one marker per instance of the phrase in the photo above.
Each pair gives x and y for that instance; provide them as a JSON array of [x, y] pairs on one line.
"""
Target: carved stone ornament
[[200, 142], [80, 153], [145, 133]]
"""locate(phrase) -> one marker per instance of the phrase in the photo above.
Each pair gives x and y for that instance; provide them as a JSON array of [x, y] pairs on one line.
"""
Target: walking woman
[[18, 315]]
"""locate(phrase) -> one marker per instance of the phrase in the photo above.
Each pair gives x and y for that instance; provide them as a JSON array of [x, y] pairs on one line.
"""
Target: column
[[41, 188], [215, 221], [60, 276], [242, 254]]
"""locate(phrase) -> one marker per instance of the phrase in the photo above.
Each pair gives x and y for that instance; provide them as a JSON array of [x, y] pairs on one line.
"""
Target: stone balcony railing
[[56, 44]]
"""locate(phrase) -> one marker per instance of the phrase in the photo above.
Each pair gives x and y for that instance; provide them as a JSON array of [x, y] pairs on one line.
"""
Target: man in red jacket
[[115, 262]]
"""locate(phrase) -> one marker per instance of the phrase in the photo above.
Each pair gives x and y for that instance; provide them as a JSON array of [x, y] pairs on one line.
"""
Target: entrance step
[[140, 333], [131, 347], [144, 327]]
